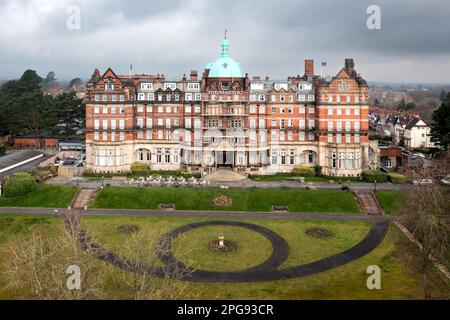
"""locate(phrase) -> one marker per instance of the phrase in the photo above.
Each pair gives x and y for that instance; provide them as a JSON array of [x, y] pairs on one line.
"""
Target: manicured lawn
[[391, 201], [256, 200], [396, 256], [44, 197]]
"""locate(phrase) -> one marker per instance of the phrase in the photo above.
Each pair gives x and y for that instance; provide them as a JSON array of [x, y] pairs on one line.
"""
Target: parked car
[[422, 182], [446, 180]]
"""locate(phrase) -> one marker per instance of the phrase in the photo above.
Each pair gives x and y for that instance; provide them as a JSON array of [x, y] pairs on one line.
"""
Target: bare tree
[[426, 217], [37, 267], [143, 249]]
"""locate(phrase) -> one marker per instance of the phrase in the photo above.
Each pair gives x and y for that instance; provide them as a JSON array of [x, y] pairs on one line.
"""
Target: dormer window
[[225, 86], [193, 85], [171, 86], [146, 86], [304, 86]]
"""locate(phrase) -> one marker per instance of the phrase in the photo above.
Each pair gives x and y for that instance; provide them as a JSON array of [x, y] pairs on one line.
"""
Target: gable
[[343, 74], [109, 74]]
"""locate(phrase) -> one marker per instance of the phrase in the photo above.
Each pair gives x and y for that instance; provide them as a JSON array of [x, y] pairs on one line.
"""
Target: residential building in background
[[417, 135], [227, 119]]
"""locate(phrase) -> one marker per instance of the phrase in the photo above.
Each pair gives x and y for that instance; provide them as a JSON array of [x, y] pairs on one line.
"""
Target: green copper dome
[[225, 66]]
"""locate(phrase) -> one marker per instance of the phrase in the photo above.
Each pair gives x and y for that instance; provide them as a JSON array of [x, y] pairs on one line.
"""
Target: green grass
[[15, 227], [44, 197], [391, 201], [253, 200], [396, 256], [252, 248]]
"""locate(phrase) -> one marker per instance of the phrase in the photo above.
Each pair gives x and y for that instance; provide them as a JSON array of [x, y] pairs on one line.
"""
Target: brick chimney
[[349, 65], [309, 68], [193, 75]]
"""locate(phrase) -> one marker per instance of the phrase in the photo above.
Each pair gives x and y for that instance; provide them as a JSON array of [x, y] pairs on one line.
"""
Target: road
[[201, 214]]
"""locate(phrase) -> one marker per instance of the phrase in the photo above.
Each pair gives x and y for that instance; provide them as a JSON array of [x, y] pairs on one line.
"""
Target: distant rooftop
[[17, 160]]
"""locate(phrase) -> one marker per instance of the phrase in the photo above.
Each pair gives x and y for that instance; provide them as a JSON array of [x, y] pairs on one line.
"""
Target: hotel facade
[[226, 119]]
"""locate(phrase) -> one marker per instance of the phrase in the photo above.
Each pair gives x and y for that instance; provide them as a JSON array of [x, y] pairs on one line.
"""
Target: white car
[[446, 180], [422, 182]]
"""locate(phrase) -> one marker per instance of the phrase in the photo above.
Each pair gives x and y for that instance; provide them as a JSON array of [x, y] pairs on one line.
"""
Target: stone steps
[[83, 198], [368, 203]]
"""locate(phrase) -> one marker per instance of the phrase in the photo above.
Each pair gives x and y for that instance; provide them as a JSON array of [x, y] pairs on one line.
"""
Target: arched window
[[143, 155], [309, 157]]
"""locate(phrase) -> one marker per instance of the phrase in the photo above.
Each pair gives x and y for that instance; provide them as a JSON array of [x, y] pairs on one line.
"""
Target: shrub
[[19, 184], [106, 175], [2, 147], [317, 170], [186, 175], [139, 168], [304, 171], [397, 178], [374, 175]]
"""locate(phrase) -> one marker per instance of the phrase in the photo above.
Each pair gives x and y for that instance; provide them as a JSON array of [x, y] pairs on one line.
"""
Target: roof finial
[[226, 33]]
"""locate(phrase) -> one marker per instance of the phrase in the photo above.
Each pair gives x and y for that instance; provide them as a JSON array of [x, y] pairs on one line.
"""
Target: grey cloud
[[268, 37]]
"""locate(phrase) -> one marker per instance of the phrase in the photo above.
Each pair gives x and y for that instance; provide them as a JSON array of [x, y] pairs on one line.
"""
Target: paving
[[225, 175], [83, 198], [246, 183], [200, 214], [368, 203]]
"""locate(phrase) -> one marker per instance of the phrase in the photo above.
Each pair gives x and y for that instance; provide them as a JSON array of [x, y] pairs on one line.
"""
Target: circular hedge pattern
[[318, 233], [127, 228]]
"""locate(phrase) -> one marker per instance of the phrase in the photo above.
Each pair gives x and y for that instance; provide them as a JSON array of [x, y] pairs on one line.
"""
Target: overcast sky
[[267, 37]]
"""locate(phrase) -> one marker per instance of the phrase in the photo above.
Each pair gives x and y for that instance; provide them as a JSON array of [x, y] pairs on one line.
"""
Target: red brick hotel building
[[227, 119]]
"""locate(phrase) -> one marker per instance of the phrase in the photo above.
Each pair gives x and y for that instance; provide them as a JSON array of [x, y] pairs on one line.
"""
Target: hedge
[[374, 175], [397, 178], [2, 147], [19, 184], [139, 168], [304, 171]]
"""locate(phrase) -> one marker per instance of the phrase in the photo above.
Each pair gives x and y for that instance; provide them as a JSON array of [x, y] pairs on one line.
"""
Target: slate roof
[[17, 157], [412, 123]]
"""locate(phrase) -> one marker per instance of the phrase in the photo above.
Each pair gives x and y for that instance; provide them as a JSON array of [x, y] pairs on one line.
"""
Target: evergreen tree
[[442, 95], [70, 112], [50, 80], [440, 128]]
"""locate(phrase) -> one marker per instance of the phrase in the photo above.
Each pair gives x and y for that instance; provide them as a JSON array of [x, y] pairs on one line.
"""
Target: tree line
[[25, 109]]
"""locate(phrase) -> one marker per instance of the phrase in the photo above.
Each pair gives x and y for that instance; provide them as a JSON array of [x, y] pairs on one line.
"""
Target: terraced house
[[226, 119]]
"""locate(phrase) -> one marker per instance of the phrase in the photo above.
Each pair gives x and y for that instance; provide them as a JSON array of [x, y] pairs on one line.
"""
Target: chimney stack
[[193, 75], [309, 67], [349, 65]]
